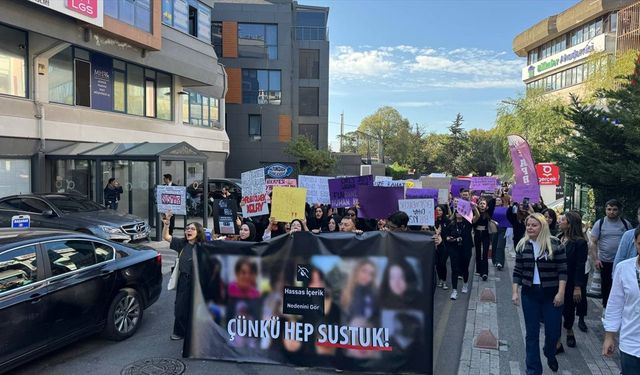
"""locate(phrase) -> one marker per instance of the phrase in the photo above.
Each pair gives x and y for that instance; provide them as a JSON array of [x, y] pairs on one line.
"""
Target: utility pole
[[341, 129]]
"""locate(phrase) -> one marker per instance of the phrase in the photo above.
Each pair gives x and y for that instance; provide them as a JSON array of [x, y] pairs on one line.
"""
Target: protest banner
[[300, 307], [519, 192], [171, 198], [225, 212], [344, 191], [285, 182], [484, 184], [464, 208], [443, 196], [287, 203], [524, 170], [390, 183], [500, 216], [377, 202], [254, 195], [381, 178], [422, 194], [456, 185], [317, 188], [420, 211], [436, 182], [413, 184]]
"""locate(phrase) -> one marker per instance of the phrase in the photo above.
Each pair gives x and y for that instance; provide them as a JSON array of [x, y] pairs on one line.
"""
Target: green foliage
[[609, 74], [386, 130], [397, 171], [312, 161]]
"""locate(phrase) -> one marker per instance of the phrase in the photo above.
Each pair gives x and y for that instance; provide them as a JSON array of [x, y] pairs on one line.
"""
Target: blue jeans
[[630, 364], [537, 303]]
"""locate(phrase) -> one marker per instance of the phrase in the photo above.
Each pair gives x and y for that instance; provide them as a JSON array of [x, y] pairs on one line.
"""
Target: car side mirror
[[48, 213]]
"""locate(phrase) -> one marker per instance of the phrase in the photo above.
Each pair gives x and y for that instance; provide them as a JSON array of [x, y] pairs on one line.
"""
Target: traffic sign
[[20, 222]]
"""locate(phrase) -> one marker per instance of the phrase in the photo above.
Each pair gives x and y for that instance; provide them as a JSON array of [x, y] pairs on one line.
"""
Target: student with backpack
[[605, 238]]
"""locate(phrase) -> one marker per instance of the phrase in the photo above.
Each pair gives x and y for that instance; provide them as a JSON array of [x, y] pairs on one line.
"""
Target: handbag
[[175, 273], [493, 226]]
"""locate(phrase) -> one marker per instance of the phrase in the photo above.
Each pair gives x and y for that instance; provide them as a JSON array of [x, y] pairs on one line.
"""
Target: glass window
[[61, 77], [143, 15], [579, 36], [83, 83], [69, 256], [18, 267], [118, 91], [16, 176], [258, 41], [214, 103], [193, 21], [195, 109], [599, 27], [103, 252], [579, 72], [216, 37], [255, 125], [308, 101], [574, 38], [310, 63], [205, 112], [310, 25], [261, 86], [163, 96], [121, 65], [592, 30], [614, 22], [135, 90], [35, 206], [136, 13], [150, 97], [310, 131], [185, 108]]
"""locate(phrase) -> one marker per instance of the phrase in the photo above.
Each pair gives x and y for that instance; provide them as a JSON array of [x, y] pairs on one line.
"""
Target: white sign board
[[254, 193], [171, 198], [317, 188], [20, 222], [420, 211]]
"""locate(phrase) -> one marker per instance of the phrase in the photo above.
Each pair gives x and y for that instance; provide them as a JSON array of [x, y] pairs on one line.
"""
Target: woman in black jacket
[[457, 238], [441, 222], [481, 236], [577, 249]]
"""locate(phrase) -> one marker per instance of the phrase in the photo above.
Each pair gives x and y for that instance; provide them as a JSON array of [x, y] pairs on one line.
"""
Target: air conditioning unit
[[365, 170]]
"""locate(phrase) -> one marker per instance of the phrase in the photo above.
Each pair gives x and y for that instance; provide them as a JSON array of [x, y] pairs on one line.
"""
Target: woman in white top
[[623, 313]]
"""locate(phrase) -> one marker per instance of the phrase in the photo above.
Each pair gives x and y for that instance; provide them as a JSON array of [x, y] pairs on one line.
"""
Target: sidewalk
[[506, 323]]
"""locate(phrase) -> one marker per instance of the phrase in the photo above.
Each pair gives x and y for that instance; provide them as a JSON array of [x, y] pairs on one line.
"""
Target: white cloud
[[349, 63]]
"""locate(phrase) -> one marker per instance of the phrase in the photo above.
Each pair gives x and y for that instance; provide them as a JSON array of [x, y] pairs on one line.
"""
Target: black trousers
[[182, 307], [570, 308], [481, 240], [606, 275], [460, 258], [441, 262], [172, 224]]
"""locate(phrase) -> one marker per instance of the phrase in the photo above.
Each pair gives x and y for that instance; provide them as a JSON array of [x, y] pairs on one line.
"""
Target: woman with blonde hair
[[541, 271], [359, 297]]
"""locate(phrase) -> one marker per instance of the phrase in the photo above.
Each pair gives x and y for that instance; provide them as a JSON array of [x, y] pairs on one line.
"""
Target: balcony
[[311, 33]]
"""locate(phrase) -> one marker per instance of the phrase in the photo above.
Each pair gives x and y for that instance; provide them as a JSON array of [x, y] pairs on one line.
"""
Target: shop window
[[119, 91], [61, 77], [255, 126], [13, 62], [150, 97], [16, 174], [308, 101], [185, 108], [135, 91], [163, 96], [83, 83], [136, 13], [261, 86], [258, 41]]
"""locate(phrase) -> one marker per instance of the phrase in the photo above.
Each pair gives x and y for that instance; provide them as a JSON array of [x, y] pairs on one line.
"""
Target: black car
[[59, 286], [73, 212]]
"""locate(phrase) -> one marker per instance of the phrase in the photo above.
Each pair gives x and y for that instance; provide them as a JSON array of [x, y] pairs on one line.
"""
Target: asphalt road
[[98, 356]]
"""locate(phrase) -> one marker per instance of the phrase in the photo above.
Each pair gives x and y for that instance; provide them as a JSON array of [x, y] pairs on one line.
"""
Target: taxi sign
[[20, 222]]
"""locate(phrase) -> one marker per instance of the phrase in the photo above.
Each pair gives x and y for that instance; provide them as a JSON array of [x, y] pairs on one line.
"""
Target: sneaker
[[444, 286], [439, 285], [465, 288], [454, 295], [499, 266], [460, 278], [582, 325], [176, 337], [484, 277]]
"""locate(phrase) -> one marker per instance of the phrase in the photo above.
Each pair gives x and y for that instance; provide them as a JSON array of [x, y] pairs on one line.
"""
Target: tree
[[390, 132], [312, 161], [482, 156], [603, 145], [608, 73], [456, 150]]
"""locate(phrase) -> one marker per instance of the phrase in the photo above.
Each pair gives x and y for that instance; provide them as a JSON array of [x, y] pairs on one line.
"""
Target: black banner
[[335, 300]]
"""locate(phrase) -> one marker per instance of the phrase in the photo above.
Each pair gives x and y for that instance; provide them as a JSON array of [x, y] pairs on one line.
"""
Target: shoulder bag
[[493, 226], [175, 273]]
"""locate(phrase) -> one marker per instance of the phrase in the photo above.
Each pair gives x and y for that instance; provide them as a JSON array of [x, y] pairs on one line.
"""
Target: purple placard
[[344, 191], [464, 208], [422, 194], [101, 82], [483, 184], [378, 202], [519, 192], [500, 215], [456, 185]]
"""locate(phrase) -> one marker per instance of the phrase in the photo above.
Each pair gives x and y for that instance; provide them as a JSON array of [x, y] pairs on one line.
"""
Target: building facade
[[558, 48], [88, 87], [276, 55]]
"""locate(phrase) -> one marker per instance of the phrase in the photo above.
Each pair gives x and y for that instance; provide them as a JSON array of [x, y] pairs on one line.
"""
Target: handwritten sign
[[381, 178], [464, 208], [285, 182], [390, 183], [317, 188], [436, 182], [420, 211], [483, 184], [254, 194], [344, 191], [171, 198], [288, 203]]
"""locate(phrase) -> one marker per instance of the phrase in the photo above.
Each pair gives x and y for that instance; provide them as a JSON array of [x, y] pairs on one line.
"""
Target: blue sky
[[430, 59]]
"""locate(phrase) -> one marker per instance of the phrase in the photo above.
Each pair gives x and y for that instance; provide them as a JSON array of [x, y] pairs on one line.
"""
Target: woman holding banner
[[193, 235], [541, 271]]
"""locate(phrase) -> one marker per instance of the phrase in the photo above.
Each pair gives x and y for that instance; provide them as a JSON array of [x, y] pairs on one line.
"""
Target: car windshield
[[69, 204]]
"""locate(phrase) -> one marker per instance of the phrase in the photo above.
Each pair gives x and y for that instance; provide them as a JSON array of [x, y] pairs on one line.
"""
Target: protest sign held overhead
[[171, 198], [254, 195], [464, 208], [420, 211], [287, 203], [344, 191], [285, 182], [377, 202], [317, 188], [422, 194], [484, 184]]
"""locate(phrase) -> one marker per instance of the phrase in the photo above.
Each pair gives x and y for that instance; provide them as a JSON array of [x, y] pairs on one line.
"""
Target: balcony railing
[[311, 33]]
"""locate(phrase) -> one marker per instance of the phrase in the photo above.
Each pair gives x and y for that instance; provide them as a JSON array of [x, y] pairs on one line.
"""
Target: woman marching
[[577, 250], [481, 236], [541, 271], [193, 235]]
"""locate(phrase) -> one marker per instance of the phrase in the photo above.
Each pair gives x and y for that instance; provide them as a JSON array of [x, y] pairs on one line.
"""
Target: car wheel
[[124, 316]]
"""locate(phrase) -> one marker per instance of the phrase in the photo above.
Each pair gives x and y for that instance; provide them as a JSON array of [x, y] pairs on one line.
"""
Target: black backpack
[[624, 222]]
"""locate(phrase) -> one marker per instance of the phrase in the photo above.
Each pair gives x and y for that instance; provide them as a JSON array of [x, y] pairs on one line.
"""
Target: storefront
[[85, 168]]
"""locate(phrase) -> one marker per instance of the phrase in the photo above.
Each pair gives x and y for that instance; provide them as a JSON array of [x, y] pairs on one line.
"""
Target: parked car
[[59, 286], [73, 212], [216, 186]]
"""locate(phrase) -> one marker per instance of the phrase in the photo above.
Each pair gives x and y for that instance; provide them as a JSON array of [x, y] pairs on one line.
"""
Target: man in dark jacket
[[112, 193]]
